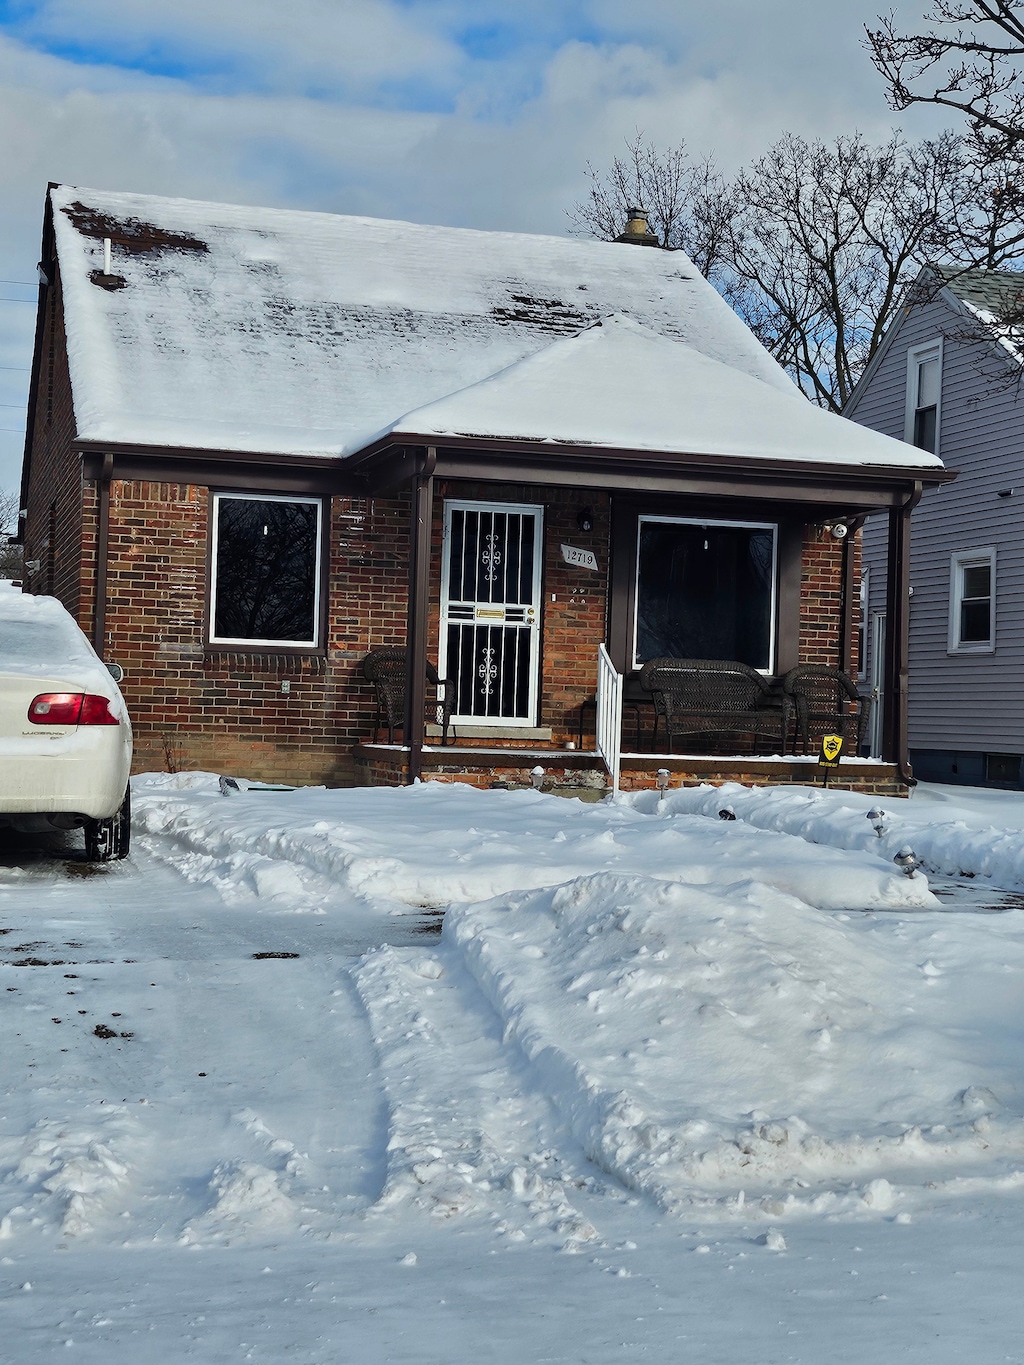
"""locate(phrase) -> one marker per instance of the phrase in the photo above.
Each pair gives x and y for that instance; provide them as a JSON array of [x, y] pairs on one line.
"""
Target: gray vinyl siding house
[[966, 637]]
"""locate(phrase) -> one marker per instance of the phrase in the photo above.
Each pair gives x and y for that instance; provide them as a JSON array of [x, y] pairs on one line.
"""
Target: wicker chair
[[713, 700], [825, 702], [385, 668]]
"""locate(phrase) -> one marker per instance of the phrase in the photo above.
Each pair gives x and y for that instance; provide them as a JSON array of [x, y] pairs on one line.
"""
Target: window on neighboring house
[[265, 574], [972, 616], [924, 396], [705, 590]]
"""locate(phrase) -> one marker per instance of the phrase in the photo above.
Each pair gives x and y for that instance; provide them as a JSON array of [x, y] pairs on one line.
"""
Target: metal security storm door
[[490, 611]]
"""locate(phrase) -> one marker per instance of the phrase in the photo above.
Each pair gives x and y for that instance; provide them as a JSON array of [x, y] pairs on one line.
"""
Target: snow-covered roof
[[622, 386], [233, 328]]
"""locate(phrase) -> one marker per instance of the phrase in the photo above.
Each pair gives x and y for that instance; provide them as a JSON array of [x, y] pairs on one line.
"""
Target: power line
[[30, 301], [21, 369], [26, 283], [19, 430], [12, 405]]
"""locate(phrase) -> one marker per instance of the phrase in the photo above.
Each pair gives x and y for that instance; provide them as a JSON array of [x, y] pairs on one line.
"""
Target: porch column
[[419, 604], [897, 635]]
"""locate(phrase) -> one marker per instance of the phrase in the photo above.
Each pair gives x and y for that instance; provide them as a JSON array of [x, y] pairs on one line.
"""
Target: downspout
[[419, 606], [898, 631], [99, 628]]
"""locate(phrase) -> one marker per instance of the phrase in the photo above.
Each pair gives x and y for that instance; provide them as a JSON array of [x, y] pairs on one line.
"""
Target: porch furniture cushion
[[826, 701], [718, 701], [385, 668]]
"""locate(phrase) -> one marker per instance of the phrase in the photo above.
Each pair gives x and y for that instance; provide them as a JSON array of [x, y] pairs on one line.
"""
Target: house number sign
[[580, 559]]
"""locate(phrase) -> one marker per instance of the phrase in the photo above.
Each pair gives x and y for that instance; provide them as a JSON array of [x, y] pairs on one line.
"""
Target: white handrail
[[609, 714]]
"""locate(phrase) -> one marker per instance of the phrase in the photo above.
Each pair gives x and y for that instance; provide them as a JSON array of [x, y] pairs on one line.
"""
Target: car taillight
[[70, 708]]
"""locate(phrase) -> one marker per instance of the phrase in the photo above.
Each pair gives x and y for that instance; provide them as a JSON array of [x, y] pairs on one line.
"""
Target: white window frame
[[959, 561], [249, 641], [710, 521], [929, 350]]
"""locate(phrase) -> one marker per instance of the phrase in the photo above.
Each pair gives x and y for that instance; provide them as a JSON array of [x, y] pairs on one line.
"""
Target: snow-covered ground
[[665, 1086]]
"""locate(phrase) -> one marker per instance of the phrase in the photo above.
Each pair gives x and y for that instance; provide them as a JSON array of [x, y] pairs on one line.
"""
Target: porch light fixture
[[877, 818], [906, 860], [662, 781], [838, 530], [537, 777], [585, 519]]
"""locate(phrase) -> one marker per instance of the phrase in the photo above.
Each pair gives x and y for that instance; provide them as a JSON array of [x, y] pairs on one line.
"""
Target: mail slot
[[490, 614]]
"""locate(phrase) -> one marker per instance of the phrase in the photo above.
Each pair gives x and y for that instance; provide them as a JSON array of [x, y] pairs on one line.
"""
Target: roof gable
[[617, 385]]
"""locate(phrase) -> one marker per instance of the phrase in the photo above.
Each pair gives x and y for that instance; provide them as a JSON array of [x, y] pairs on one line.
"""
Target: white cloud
[[374, 106]]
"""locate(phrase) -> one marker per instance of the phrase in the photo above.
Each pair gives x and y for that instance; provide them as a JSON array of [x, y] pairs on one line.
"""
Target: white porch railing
[[609, 714]]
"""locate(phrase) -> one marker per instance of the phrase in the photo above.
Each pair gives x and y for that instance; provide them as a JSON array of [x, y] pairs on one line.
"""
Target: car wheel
[[107, 840]]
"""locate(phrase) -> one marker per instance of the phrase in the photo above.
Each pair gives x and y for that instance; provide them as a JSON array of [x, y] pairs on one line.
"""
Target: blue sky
[[481, 113]]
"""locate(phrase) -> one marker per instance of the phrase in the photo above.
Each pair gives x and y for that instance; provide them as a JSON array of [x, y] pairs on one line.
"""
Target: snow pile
[[948, 827], [439, 843], [716, 1046]]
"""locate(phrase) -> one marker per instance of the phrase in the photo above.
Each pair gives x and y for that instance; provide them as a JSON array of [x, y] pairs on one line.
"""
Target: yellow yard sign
[[831, 747]]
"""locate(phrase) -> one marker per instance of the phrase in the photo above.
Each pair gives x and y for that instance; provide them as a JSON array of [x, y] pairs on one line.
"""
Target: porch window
[[972, 617], [265, 579], [705, 590]]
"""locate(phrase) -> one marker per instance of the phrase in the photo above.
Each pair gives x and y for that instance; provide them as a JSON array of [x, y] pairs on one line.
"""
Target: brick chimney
[[637, 231]]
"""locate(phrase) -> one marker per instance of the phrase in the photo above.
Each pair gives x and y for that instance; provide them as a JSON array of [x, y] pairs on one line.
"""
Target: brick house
[[263, 443]]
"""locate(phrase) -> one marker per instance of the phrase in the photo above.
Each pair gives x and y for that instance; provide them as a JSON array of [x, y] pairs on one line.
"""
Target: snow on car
[[65, 736]]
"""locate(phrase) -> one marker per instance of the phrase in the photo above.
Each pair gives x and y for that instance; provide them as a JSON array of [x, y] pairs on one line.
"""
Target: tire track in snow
[[487, 1147]]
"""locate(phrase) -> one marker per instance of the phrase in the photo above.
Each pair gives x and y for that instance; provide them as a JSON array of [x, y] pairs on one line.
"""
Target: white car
[[65, 736]]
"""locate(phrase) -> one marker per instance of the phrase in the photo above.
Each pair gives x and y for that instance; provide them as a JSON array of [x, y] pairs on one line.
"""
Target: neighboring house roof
[[233, 328], [991, 291], [620, 385], [980, 299]]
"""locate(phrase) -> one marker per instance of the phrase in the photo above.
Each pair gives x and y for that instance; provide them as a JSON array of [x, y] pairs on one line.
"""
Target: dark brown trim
[[789, 570], [227, 471], [897, 638], [99, 620], [48, 259], [421, 520], [504, 460]]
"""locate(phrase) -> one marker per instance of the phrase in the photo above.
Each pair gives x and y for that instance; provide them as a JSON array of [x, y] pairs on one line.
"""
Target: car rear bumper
[[66, 783]]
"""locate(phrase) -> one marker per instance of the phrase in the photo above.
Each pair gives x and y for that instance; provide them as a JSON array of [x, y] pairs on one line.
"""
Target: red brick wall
[[821, 577], [54, 527], [195, 706]]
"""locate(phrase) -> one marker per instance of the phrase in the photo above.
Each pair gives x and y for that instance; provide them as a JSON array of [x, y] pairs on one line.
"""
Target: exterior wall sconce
[[585, 519], [838, 530]]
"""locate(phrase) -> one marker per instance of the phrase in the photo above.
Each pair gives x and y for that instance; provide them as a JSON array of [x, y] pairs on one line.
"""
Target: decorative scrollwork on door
[[488, 671], [491, 558]]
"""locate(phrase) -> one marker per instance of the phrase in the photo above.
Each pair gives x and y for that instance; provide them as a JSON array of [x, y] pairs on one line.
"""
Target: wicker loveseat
[[714, 702]]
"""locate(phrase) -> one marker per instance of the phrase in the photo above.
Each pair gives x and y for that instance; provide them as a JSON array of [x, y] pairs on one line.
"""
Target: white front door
[[490, 611]]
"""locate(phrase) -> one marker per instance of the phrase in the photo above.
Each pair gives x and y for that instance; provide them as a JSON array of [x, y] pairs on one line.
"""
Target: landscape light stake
[[877, 818], [907, 860], [662, 781], [537, 777]]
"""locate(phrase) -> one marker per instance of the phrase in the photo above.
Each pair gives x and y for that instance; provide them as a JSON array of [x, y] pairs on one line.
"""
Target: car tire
[[108, 840]]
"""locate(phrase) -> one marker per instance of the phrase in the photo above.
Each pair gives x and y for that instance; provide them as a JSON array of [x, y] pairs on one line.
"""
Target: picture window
[[265, 570]]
